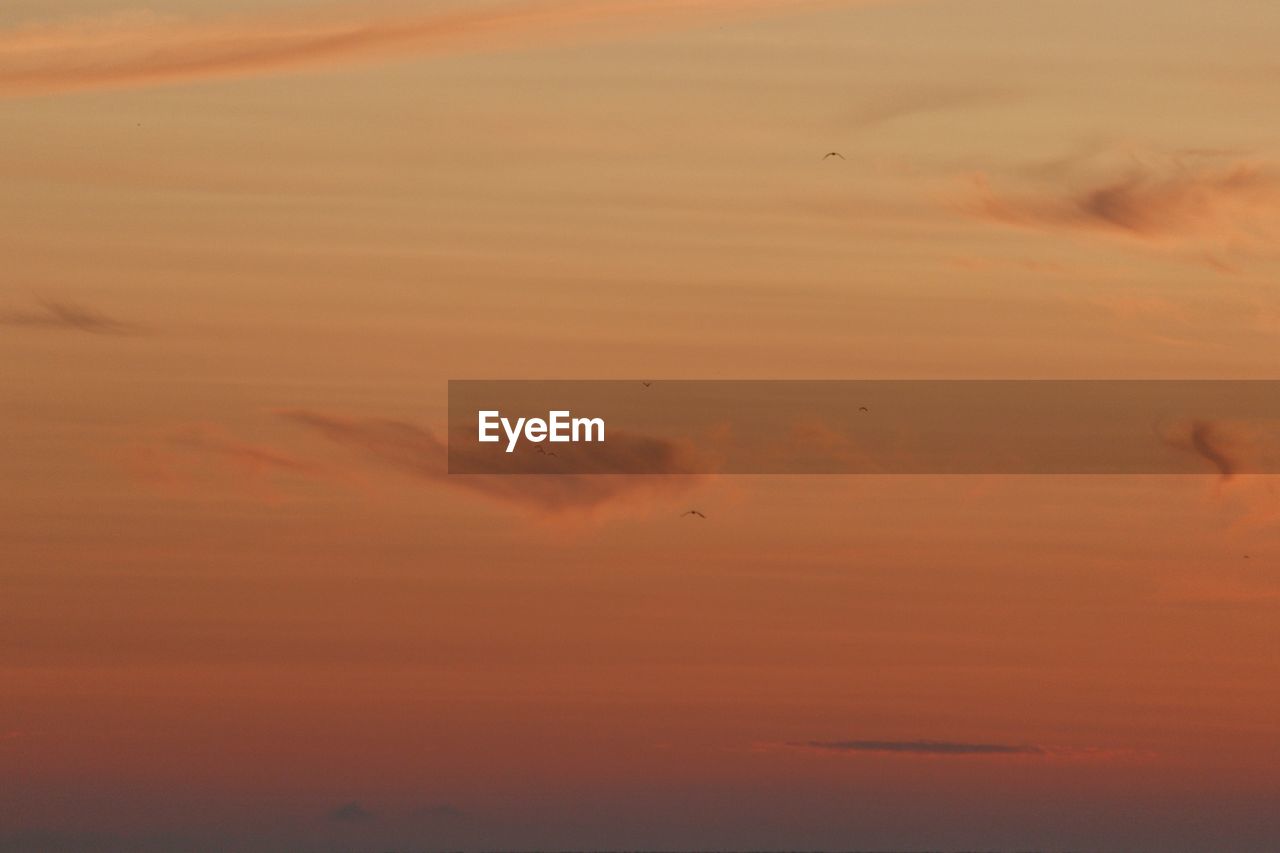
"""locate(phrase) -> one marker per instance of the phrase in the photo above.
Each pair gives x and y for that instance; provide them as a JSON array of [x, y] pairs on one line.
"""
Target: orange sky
[[219, 627]]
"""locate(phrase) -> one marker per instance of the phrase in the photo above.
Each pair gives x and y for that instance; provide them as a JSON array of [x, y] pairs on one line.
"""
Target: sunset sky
[[246, 243]]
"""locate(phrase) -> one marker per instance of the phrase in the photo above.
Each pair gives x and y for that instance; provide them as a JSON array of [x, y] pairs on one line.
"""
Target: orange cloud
[[146, 50], [1202, 203], [418, 452], [203, 459], [251, 457]]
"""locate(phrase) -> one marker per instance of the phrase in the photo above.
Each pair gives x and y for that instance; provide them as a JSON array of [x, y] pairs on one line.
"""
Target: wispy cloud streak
[[253, 457], [352, 812], [66, 316], [1204, 204], [145, 50], [1227, 447], [923, 101], [417, 452], [948, 749], [924, 747]]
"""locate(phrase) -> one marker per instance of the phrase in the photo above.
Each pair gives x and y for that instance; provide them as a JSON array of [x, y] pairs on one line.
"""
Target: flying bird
[[863, 409], [692, 512], [546, 452], [831, 154], [646, 384]]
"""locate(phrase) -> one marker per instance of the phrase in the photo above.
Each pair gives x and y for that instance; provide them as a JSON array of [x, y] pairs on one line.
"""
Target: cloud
[[963, 749], [67, 316], [1245, 455], [923, 747], [351, 812], [1205, 441], [146, 50], [202, 460], [253, 457], [1207, 204], [630, 467], [923, 100], [1218, 443]]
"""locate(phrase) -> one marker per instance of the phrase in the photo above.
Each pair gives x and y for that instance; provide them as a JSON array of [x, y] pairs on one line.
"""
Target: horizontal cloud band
[[925, 747], [146, 51]]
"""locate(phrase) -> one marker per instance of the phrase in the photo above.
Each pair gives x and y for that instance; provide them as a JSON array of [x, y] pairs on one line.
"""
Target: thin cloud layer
[[1207, 204], [417, 452], [351, 812], [947, 749], [206, 460], [252, 457], [66, 316], [926, 100], [925, 747], [147, 51]]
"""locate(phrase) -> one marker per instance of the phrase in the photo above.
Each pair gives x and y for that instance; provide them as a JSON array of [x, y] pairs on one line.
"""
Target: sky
[[246, 244]]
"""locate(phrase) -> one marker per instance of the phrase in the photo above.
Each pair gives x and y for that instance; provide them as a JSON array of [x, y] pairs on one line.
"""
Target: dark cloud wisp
[[627, 471], [67, 316], [923, 747], [351, 812], [1202, 204]]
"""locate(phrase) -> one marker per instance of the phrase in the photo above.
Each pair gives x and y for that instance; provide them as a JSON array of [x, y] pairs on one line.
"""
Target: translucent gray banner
[[688, 427]]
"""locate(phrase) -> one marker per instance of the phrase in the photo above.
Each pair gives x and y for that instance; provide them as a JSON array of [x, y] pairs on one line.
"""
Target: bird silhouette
[[863, 409], [646, 384], [831, 154], [692, 512], [545, 452]]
